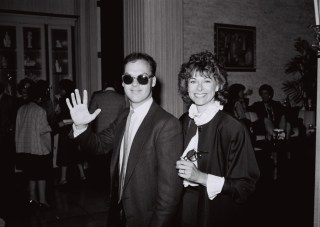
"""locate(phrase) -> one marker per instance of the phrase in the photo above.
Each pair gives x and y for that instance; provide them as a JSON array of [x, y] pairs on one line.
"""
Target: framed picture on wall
[[235, 47]]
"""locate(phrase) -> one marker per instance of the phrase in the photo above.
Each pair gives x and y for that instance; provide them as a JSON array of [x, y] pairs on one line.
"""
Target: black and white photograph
[[149, 113]]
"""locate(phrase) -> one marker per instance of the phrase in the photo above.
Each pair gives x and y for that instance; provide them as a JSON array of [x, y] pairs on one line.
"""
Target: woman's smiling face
[[202, 89]]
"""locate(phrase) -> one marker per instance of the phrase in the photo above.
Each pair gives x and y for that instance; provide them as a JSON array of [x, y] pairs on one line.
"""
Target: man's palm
[[79, 110]]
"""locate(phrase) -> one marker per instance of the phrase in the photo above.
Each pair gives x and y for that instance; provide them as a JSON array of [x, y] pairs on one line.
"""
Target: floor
[[78, 203], [81, 206], [286, 201]]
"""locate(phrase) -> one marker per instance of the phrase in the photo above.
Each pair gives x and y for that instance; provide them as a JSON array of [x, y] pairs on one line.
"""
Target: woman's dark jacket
[[230, 155]]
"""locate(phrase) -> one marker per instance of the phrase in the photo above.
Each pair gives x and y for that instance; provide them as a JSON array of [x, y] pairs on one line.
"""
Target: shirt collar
[[109, 89], [143, 108]]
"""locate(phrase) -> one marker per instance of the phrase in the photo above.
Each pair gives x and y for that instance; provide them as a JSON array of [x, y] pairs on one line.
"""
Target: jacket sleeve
[[100, 143], [242, 168]]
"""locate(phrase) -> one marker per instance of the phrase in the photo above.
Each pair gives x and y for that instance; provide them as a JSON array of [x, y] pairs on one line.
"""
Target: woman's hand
[[79, 110], [187, 170]]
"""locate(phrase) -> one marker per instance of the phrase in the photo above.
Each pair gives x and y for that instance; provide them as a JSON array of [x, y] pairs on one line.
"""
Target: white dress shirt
[[136, 119]]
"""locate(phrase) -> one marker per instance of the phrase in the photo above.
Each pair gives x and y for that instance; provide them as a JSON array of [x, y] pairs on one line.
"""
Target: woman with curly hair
[[237, 105], [218, 164]]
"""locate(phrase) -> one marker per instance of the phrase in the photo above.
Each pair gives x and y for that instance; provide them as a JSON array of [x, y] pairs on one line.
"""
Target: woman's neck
[[203, 108]]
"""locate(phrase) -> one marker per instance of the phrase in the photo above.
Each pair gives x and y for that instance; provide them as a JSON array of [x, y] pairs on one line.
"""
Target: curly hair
[[23, 83], [234, 90], [207, 65], [233, 97]]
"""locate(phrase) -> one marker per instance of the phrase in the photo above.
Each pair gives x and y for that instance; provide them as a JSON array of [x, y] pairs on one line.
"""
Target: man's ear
[[154, 81]]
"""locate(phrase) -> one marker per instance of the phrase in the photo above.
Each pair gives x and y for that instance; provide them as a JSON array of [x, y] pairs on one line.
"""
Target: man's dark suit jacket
[[259, 108], [152, 187]]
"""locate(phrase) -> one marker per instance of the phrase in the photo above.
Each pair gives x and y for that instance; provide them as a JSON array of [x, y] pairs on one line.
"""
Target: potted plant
[[302, 90]]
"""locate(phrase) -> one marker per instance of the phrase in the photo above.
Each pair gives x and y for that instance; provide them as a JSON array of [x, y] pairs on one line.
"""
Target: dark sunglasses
[[142, 79], [194, 155]]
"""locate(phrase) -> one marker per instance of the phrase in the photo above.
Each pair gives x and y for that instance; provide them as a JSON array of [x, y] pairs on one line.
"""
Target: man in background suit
[[111, 104], [145, 189]]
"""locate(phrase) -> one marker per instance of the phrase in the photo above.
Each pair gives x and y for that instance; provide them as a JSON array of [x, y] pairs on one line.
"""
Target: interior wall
[[278, 24], [44, 6]]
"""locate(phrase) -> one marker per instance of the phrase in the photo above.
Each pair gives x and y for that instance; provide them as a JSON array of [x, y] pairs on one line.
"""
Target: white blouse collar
[[207, 115]]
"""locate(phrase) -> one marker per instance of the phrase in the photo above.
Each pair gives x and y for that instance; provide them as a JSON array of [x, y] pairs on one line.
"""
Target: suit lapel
[[142, 135]]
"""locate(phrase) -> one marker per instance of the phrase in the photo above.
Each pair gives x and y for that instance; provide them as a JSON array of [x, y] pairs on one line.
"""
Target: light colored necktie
[[125, 156]]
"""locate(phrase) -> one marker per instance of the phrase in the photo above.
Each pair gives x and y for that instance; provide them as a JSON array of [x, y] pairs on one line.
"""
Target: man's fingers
[[78, 98], [95, 114], [85, 97], [68, 103], [73, 99], [182, 171]]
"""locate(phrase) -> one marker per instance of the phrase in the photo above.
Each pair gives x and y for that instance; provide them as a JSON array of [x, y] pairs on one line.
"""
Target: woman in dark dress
[[218, 164], [68, 153]]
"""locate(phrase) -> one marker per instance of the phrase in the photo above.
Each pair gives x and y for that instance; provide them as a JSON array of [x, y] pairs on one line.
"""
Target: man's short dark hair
[[266, 87], [142, 56], [109, 83], [23, 82]]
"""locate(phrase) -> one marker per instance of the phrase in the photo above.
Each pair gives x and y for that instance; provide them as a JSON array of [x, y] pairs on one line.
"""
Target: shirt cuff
[[77, 132], [214, 185]]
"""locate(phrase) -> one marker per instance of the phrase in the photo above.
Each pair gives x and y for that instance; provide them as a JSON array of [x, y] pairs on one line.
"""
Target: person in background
[[218, 165], [145, 189], [7, 151], [33, 140], [236, 105], [23, 86], [46, 102], [111, 104], [271, 114], [68, 153]]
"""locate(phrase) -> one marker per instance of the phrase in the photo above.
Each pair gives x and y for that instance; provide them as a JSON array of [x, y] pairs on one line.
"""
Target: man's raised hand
[[79, 110]]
